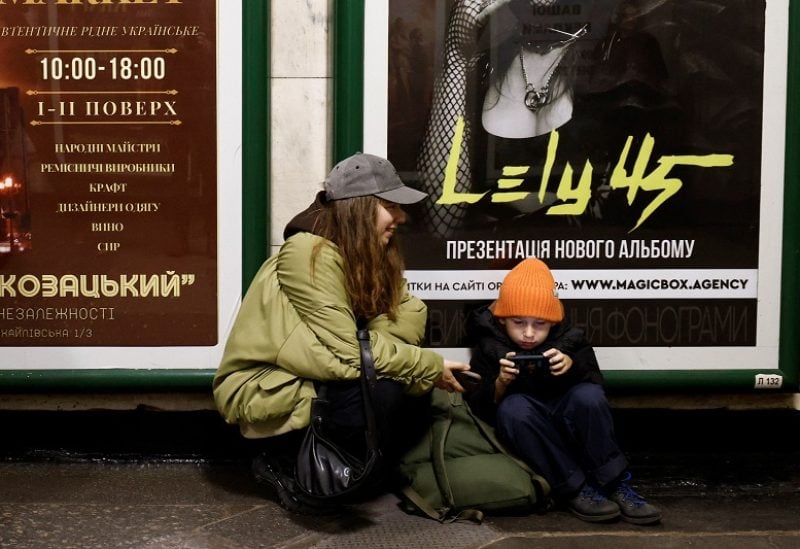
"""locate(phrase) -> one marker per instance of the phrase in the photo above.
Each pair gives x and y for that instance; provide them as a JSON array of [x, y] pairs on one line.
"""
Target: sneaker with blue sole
[[592, 506], [634, 508]]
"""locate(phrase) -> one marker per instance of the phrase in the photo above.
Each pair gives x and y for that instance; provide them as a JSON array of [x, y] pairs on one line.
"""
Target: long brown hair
[[373, 271]]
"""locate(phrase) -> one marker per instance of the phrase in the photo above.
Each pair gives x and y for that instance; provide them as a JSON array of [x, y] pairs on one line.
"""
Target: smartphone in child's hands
[[528, 364]]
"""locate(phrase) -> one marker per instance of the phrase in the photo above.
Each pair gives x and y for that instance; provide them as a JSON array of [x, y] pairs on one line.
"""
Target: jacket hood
[[481, 324], [306, 221]]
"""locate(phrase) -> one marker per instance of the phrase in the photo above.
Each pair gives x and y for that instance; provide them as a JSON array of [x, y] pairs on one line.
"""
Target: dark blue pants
[[568, 440]]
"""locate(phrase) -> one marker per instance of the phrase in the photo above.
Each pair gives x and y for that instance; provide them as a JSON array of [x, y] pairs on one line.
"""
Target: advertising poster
[[626, 143], [108, 165]]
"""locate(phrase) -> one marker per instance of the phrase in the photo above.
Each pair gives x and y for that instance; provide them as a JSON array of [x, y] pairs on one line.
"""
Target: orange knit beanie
[[529, 290]]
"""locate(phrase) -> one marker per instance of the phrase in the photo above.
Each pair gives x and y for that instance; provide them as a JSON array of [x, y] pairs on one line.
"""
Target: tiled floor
[[158, 480], [204, 504]]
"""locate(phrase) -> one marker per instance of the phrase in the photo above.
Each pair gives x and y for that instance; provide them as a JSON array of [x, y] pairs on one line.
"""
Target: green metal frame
[[255, 231], [348, 79], [255, 137], [790, 297], [349, 86]]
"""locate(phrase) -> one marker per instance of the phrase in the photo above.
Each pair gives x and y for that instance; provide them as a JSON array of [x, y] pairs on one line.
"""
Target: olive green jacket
[[296, 325]]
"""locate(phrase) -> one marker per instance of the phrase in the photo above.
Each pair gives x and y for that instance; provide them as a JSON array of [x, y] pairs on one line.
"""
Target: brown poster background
[[108, 167]]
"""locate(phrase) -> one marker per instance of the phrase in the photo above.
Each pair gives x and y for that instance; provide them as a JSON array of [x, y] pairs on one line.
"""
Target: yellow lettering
[[552, 147], [657, 180], [579, 195], [575, 200], [508, 183], [449, 193]]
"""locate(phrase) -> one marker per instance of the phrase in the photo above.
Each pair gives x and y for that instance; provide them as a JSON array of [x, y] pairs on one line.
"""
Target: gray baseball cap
[[368, 175]]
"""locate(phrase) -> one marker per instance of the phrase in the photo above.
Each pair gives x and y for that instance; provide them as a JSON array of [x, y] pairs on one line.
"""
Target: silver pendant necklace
[[535, 99]]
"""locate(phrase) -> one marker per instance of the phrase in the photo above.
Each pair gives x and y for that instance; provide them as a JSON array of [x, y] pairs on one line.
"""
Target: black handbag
[[326, 471]]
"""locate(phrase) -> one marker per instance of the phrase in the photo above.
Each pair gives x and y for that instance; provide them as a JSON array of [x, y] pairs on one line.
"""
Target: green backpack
[[459, 470]]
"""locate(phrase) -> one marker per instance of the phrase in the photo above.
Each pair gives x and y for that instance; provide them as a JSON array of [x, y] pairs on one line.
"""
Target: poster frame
[[254, 40], [349, 84]]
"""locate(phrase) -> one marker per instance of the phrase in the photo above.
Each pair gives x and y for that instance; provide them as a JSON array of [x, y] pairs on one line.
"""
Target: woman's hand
[[448, 381], [481, 23], [470, 24], [559, 362]]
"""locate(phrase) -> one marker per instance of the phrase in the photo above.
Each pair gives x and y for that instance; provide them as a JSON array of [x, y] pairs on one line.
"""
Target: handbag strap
[[368, 382]]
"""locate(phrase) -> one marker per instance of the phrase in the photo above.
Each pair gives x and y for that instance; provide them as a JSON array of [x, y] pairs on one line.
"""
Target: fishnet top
[[449, 103], [461, 56]]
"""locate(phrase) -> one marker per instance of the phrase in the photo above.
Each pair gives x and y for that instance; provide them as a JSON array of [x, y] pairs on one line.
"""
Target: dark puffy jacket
[[492, 343]]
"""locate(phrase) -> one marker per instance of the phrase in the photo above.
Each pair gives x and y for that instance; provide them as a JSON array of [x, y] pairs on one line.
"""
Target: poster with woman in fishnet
[[618, 140]]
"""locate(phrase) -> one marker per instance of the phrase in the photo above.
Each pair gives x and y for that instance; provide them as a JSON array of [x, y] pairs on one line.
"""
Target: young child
[[555, 416]]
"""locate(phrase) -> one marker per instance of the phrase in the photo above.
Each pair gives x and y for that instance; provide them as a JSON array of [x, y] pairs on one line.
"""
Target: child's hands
[[508, 371], [559, 362]]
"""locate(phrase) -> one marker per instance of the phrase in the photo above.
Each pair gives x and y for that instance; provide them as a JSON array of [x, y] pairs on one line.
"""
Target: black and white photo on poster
[[618, 140]]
